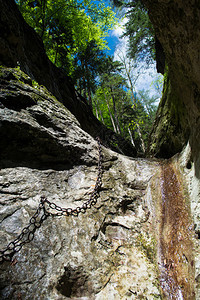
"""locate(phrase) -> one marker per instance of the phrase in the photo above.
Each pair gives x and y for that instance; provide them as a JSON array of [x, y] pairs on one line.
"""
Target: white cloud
[[121, 48], [145, 80], [148, 74], [119, 29]]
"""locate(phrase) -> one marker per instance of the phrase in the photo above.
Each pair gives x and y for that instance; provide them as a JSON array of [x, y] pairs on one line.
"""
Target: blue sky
[[113, 41]]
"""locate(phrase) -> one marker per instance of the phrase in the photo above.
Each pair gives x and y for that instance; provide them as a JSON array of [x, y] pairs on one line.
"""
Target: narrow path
[[175, 240]]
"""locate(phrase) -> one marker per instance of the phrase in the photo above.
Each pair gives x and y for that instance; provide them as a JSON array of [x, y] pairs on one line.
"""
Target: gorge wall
[[136, 242], [176, 25], [141, 239]]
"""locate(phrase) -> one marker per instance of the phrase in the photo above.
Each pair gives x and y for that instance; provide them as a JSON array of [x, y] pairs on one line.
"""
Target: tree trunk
[[100, 112], [111, 117], [134, 107], [140, 137], [55, 60], [88, 85], [83, 79], [128, 74], [96, 110], [89, 95], [115, 111], [43, 2], [131, 137]]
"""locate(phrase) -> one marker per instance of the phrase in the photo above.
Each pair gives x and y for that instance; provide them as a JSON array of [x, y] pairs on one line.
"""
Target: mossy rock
[[170, 131]]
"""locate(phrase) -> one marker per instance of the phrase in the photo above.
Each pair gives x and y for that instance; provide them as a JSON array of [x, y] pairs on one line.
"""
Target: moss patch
[[147, 245]]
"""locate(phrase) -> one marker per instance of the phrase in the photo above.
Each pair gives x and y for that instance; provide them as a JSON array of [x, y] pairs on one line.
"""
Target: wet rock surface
[[176, 233]]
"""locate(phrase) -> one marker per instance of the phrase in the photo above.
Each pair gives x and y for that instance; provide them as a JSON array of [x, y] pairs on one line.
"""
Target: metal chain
[[42, 213]]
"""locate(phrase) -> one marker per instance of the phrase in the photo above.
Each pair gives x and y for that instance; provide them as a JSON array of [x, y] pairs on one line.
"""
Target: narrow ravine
[[176, 262]]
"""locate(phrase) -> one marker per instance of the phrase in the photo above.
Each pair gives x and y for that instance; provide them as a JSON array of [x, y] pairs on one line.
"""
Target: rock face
[[46, 144], [106, 253], [176, 26], [170, 131]]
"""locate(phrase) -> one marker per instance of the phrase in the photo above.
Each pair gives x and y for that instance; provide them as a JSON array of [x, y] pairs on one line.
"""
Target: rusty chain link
[[42, 213]]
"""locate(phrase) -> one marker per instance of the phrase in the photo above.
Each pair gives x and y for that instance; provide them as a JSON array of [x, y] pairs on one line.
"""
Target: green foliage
[[86, 65], [67, 27], [140, 32]]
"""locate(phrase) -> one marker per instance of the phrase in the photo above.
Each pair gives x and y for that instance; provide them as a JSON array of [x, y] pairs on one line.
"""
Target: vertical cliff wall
[[177, 26]]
